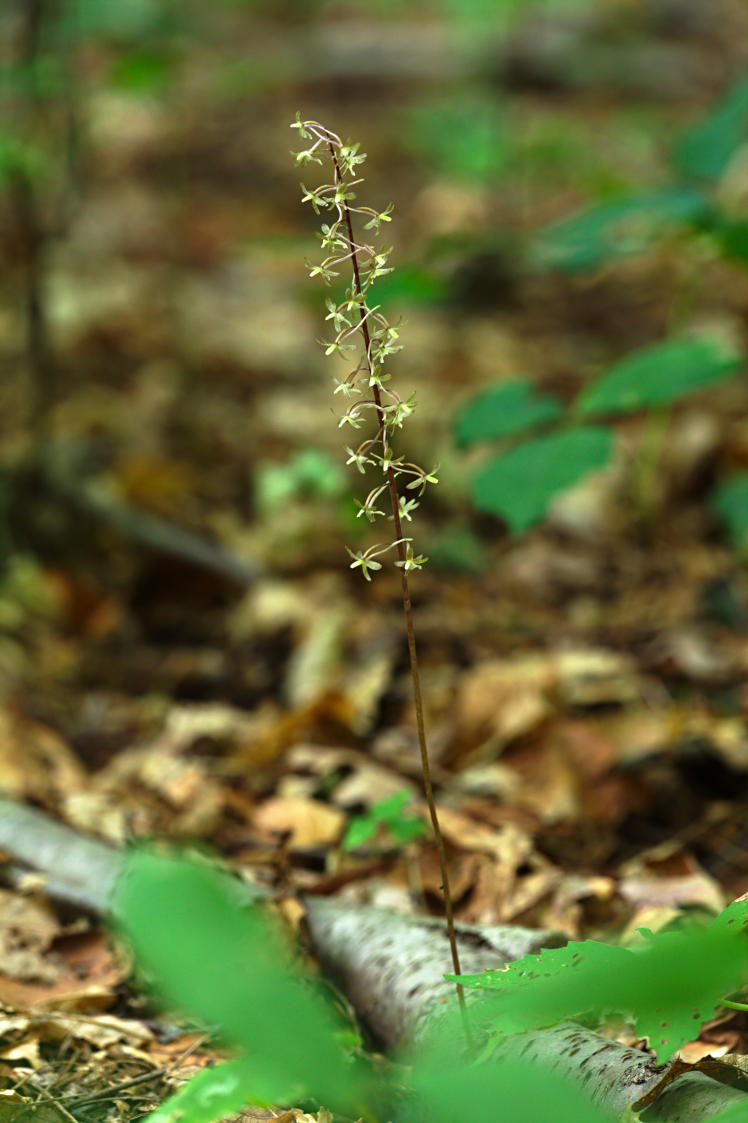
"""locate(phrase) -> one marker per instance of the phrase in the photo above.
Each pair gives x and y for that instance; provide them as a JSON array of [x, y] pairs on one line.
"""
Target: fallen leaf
[[27, 928], [499, 701], [669, 877], [308, 821], [87, 973]]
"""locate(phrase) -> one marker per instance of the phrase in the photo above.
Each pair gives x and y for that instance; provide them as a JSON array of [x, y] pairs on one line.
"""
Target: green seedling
[[309, 475], [694, 206], [389, 813]]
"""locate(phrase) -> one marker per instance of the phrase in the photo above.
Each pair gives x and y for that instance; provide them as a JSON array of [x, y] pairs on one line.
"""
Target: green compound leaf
[[504, 409], [221, 1091], [730, 503], [657, 375], [705, 150], [226, 964], [669, 986], [519, 485], [617, 229]]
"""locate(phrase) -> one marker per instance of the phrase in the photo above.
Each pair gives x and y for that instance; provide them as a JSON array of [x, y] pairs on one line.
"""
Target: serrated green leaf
[[520, 485], [669, 986], [705, 150], [504, 409], [226, 964], [657, 375], [620, 228], [730, 503]]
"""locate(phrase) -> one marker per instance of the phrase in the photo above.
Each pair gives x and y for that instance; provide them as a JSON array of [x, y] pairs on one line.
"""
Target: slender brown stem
[[408, 614]]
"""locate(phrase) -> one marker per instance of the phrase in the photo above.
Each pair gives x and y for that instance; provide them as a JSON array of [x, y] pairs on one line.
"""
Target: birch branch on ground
[[391, 966]]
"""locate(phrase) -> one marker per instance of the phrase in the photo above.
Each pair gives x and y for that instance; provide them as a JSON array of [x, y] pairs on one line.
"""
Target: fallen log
[[391, 966]]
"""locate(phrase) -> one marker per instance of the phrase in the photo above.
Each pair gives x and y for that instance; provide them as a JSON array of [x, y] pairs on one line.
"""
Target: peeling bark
[[391, 966]]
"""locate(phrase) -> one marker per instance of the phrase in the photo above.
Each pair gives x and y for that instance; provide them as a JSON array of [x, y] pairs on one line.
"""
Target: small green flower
[[411, 561], [301, 126], [422, 478], [306, 157], [366, 563], [407, 506], [359, 459]]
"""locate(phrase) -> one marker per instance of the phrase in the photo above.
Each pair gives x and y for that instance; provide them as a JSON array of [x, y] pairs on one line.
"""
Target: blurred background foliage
[[569, 180]]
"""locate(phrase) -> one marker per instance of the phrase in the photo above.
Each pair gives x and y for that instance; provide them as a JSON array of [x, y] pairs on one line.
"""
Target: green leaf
[[465, 136], [457, 549], [609, 231], [657, 375], [226, 965], [218, 1092], [732, 238], [669, 986], [387, 812], [730, 504], [360, 829], [526, 1093], [410, 284], [736, 1113], [407, 829], [116, 19], [450, 1088], [503, 409], [519, 485], [706, 149], [19, 158], [143, 71]]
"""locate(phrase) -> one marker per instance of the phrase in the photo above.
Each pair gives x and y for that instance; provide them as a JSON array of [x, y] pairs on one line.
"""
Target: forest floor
[[585, 684]]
